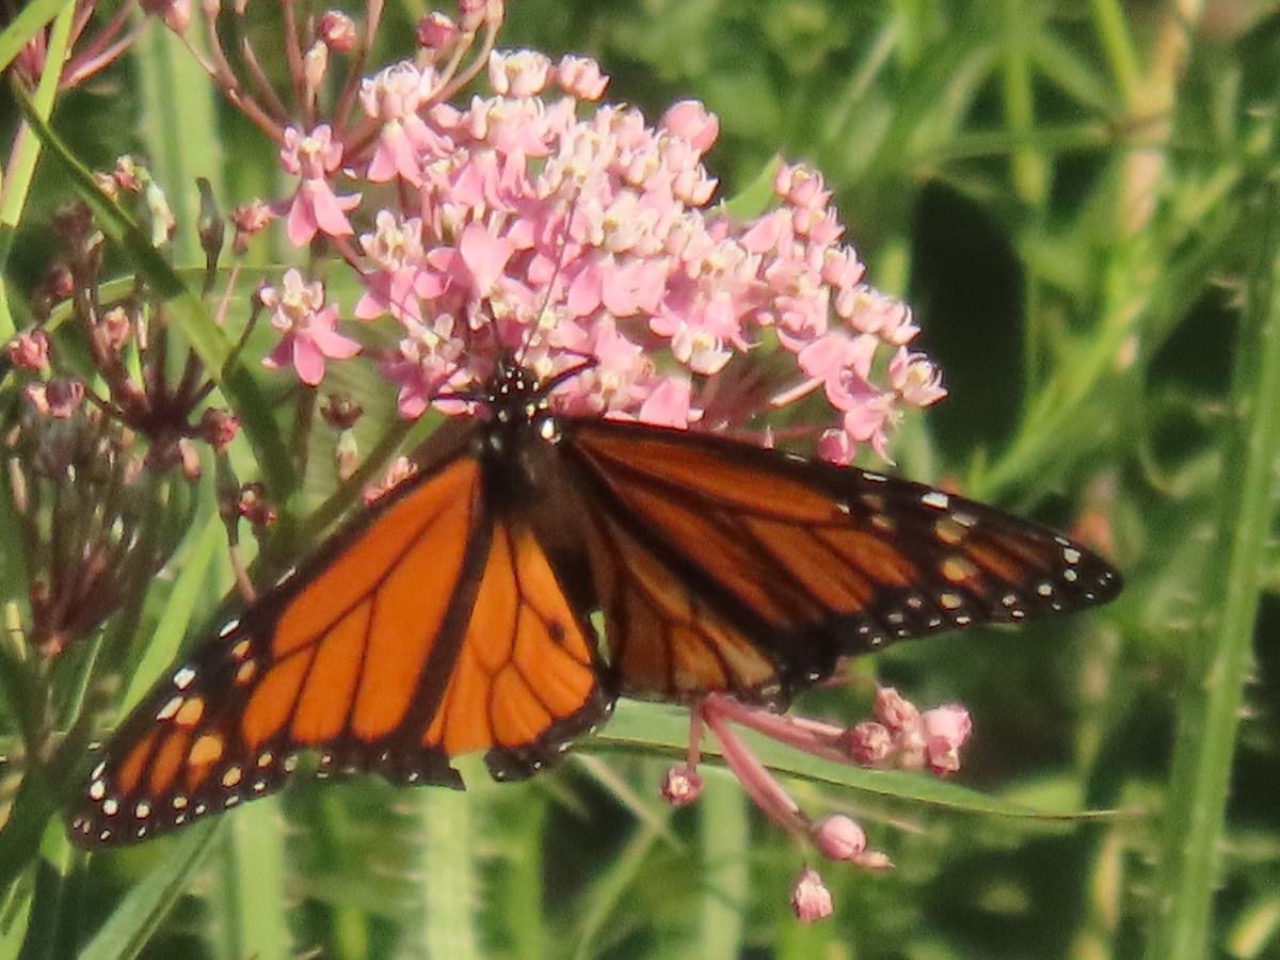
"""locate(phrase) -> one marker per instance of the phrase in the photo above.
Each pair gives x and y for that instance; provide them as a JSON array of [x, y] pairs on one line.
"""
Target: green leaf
[[146, 905]]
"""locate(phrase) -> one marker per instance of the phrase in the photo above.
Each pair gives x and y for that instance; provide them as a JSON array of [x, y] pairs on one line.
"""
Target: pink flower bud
[[113, 330], [895, 711], [869, 744], [581, 77], [946, 729], [127, 175], [249, 219], [176, 14], [838, 838], [189, 459], [681, 786], [338, 31], [473, 13], [219, 428], [437, 32], [810, 899], [30, 351], [315, 63], [58, 399]]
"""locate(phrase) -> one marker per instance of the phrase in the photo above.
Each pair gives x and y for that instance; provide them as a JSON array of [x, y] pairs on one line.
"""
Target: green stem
[[450, 897], [725, 827], [1220, 664]]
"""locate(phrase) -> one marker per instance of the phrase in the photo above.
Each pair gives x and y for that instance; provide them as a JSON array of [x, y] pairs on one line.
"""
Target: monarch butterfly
[[454, 616]]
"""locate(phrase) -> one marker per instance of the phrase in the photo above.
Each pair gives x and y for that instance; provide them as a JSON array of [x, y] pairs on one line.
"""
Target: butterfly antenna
[[551, 283]]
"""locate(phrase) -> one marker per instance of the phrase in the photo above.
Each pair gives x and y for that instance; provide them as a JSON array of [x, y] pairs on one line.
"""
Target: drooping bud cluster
[[911, 739]]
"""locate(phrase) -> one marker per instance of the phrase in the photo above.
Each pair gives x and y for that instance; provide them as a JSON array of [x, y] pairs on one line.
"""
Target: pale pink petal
[[308, 361], [484, 255]]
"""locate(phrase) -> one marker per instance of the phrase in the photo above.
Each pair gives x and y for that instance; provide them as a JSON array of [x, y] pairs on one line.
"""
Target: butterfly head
[[515, 398]]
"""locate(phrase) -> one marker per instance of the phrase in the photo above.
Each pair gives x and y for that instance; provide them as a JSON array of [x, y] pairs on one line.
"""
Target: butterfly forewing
[[806, 560], [433, 628]]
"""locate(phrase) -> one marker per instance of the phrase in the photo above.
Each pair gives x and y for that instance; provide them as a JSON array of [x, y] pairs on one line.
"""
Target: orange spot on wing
[[168, 763], [134, 764]]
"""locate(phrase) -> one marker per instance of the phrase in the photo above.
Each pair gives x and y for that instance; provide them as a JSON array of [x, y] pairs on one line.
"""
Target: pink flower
[[393, 97], [437, 32], [429, 357], [523, 73], [669, 403], [681, 786], [338, 31], [946, 730], [481, 259], [298, 311], [315, 207], [580, 77], [869, 744], [693, 122], [915, 377], [867, 310], [810, 899], [30, 351], [396, 284], [895, 711]]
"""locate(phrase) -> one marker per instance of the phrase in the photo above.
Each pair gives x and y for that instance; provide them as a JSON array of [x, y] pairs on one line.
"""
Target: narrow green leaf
[[147, 904], [180, 608], [252, 895], [1221, 660], [653, 728]]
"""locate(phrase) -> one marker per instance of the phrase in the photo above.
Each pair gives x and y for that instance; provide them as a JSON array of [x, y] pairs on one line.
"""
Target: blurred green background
[[1080, 201]]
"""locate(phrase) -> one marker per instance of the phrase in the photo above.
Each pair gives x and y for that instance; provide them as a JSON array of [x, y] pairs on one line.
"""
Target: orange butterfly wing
[[725, 567], [433, 628]]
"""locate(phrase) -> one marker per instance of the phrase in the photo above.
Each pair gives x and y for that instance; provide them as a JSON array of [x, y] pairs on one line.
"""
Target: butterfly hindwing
[[804, 560], [524, 682]]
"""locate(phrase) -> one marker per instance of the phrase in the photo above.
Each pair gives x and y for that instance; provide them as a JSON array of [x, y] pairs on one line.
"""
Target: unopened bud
[[681, 786], [810, 899], [338, 31]]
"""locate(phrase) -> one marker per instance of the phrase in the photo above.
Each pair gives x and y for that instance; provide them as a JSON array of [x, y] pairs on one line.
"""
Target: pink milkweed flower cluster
[[542, 223], [534, 219]]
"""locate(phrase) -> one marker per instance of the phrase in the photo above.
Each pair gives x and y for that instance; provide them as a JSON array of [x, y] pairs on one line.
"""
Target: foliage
[[1080, 201]]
